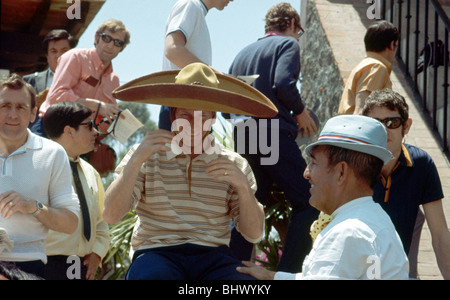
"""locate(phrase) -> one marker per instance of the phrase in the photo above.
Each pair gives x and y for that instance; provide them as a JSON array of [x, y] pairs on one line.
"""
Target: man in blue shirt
[[276, 59], [410, 179]]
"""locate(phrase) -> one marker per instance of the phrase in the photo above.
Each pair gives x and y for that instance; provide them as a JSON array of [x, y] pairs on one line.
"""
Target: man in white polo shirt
[[36, 191]]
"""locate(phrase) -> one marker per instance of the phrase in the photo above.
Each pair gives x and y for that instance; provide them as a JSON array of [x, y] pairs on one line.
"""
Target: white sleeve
[[286, 276]]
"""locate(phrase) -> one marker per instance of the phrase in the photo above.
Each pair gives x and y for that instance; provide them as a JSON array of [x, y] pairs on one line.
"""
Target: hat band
[[342, 138]]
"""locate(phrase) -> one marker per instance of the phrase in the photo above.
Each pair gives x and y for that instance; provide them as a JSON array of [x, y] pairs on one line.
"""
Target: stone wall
[[322, 84]]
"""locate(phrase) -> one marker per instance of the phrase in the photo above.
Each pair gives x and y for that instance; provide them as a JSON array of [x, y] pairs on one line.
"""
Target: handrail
[[440, 11], [428, 73]]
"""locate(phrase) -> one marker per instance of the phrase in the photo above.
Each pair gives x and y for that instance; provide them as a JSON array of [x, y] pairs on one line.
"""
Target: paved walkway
[[345, 24]]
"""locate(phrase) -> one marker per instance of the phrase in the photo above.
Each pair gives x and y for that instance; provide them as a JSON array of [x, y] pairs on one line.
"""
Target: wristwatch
[[39, 207]]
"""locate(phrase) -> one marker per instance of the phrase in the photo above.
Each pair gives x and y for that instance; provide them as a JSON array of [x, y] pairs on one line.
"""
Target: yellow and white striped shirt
[[177, 202]]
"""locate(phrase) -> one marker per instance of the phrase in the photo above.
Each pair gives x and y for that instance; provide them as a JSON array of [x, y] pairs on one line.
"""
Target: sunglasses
[[90, 124], [392, 123], [107, 39]]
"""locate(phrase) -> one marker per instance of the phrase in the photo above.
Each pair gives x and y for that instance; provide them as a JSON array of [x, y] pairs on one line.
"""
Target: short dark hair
[[64, 114], [279, 17], [366, 167], [389, 99], [56, 35], [380, 35], [15, 82]]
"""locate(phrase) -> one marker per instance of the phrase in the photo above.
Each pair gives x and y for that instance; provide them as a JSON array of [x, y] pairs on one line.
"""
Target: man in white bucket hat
[[360, 241]]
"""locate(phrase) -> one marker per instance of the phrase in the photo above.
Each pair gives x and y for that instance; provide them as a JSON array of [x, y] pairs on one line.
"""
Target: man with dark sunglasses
[[409, 180], [87, 76]]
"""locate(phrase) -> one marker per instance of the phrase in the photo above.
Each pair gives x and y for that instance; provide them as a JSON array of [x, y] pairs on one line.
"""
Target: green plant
[[277, 217], [117, 260]]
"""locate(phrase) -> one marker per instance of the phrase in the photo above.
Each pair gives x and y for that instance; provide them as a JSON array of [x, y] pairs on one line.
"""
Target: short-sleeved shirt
[[39, 170], [177, 202], [414, 181], [372, 73], [188, 16]]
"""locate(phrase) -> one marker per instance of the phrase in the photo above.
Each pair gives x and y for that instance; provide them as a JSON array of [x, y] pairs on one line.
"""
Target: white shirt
[[359, 243], [39, 170], [188, 16]]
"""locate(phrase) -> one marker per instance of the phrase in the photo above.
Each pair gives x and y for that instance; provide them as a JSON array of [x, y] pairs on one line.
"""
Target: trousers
[[287, 174], [185, 262]]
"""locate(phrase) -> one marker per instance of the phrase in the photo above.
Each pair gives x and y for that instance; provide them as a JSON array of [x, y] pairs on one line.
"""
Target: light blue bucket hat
[[357, 133]]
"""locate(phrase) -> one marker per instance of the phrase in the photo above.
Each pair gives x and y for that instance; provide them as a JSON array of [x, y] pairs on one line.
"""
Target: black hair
[[64, 114]]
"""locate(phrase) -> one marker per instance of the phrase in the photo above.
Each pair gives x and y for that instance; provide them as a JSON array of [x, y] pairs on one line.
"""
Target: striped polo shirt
[[177, 202]]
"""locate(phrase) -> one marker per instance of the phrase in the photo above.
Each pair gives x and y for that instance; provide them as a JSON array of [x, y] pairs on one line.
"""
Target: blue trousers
[[287, 173], [185, 262]]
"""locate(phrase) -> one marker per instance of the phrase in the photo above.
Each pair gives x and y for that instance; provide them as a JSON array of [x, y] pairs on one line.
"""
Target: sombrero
[[197, 86]]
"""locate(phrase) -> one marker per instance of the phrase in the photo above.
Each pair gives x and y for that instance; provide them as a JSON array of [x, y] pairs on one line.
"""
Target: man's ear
[[69, 131], [393, 45], [407, 126], [341, 170], [33, 114]]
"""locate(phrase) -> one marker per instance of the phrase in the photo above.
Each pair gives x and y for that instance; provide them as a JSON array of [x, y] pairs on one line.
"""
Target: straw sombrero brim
[[231, 95]]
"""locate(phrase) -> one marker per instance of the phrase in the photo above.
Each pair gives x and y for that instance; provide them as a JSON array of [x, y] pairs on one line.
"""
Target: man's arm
[[251, 212], [440, 235], [118, 197], [175, 50], [360, 100], [57, 219]]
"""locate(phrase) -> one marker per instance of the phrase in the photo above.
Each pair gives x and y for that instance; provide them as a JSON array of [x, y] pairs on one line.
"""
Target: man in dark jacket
[[276, 59]]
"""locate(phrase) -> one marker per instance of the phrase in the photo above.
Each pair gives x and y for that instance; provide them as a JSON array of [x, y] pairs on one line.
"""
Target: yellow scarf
[[318, 225]]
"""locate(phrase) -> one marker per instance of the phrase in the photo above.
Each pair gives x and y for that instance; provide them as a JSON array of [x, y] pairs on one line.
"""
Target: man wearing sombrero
[[185, 197]]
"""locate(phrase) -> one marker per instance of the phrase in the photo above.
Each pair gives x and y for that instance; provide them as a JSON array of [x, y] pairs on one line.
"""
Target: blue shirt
[[414, 181]]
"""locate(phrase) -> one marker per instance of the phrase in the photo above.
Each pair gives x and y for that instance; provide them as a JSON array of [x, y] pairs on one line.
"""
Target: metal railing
[[423, 54]]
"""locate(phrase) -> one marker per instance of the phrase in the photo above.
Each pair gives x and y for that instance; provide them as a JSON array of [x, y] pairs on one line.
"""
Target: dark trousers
[[58, 267], [287, 173], [185, 262]]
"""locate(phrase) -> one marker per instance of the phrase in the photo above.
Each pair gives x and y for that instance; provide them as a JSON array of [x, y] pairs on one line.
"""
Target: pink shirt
[[81, 74]]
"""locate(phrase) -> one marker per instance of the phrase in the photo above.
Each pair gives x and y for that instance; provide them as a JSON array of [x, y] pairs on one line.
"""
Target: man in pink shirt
[[86, 75]]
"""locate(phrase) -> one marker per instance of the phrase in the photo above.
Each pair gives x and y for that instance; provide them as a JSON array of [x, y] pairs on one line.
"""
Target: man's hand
[[153, 141], [223, 169], [91, 262], [306, 123], [12, 202], [256, 271]]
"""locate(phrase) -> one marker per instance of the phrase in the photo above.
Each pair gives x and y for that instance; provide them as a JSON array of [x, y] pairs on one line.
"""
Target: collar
[[176, 151], [379, 57], [270, 33], [33, 142], [405, 158], [205, 8], [351, 204]]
